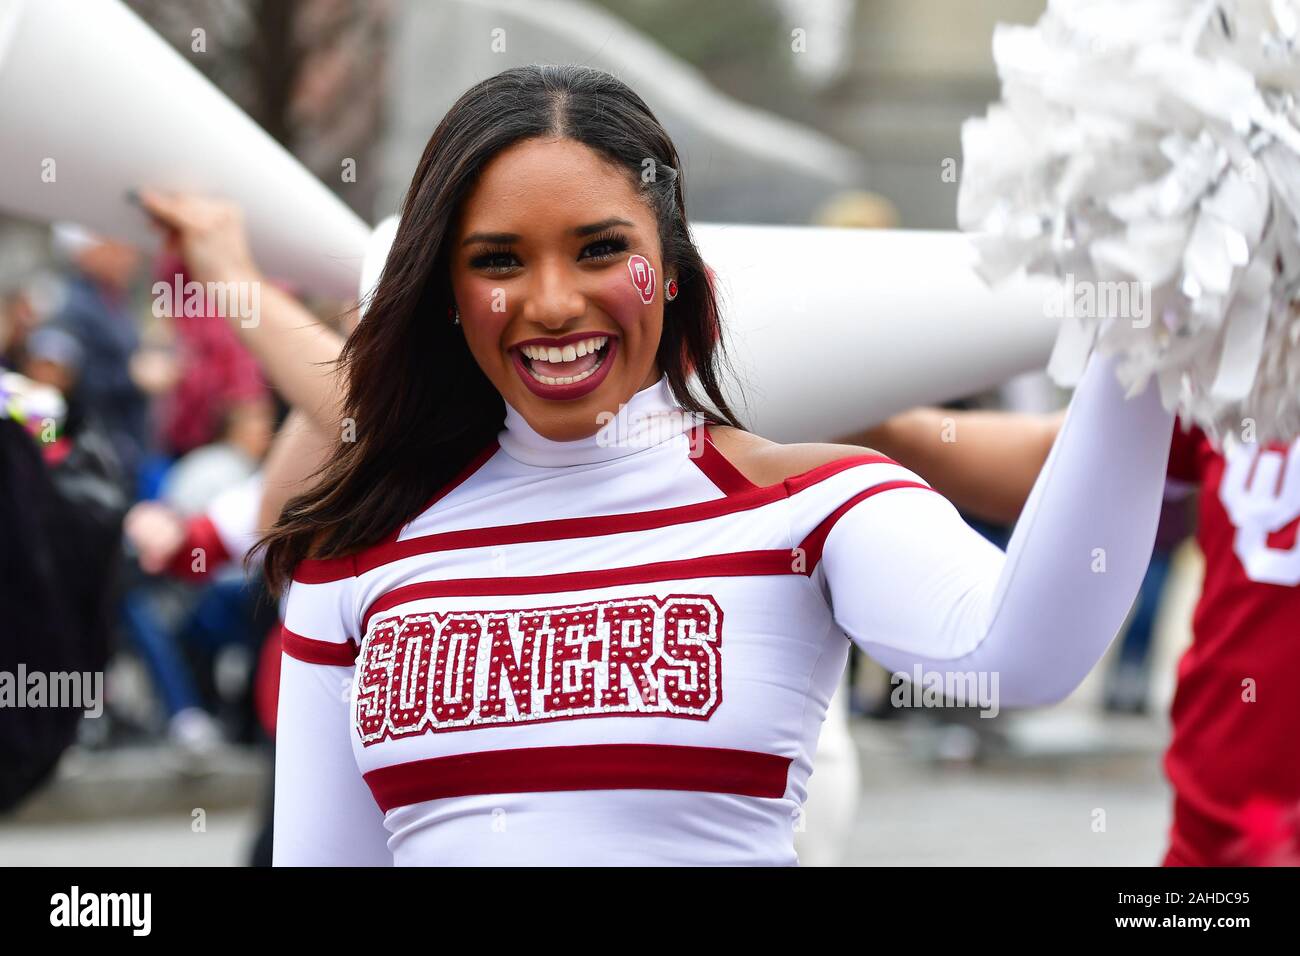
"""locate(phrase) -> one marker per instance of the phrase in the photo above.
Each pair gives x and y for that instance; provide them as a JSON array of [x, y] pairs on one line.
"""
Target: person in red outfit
[[216, 372], [1232, 760]]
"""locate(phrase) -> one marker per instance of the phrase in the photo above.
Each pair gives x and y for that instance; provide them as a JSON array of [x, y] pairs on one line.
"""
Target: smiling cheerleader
[[551, 607]]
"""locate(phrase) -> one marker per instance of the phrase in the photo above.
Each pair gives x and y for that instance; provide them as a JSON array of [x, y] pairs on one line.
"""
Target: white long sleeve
[[914, 586], [324, 812]]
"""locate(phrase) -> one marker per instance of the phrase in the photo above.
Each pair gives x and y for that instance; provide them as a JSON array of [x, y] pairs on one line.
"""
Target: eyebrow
[[495, 238], [601, 226], [506, 238]]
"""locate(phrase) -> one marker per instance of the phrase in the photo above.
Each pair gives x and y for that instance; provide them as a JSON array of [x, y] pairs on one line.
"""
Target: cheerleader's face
[[557, 272]]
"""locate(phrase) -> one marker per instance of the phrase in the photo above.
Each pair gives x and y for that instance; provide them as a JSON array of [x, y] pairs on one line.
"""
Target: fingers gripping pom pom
[[1147, 153]]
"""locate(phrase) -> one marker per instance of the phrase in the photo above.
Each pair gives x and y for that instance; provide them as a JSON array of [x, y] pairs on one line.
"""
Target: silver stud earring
[[453, 313]]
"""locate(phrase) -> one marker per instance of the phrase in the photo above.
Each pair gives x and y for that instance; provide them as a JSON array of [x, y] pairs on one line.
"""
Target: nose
[[554, 298]]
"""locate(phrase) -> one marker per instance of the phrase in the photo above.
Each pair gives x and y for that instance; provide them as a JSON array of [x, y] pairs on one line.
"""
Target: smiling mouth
[[573, 362]]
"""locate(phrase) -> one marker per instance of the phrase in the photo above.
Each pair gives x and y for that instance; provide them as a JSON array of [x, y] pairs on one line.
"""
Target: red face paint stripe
[[715, 465], [735, 564], [311, 651], [590, 767], [816, 540]]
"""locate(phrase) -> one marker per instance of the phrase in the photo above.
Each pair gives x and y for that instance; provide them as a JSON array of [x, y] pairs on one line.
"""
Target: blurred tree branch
[[310, 72]]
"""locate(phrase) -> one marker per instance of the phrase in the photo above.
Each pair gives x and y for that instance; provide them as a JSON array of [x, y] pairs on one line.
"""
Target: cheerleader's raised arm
[[914, 586]]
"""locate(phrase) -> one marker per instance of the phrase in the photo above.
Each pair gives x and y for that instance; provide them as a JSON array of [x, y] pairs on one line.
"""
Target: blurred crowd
[[143, 419]]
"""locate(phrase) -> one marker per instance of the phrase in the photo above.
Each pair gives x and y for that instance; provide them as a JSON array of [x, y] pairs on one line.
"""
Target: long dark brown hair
[[420, 405]]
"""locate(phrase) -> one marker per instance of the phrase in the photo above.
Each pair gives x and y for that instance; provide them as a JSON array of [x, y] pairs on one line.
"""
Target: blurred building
[[742, 163], [775, 105], [917, 69]]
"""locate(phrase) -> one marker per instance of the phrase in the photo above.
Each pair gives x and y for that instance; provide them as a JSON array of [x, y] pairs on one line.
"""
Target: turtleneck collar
[[651, 417]]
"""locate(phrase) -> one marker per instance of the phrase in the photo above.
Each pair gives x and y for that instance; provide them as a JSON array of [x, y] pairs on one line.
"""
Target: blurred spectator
[[216, 372], [18, 317], [60, 522], [247, 428], [180, 635], [95, 313], [857, 209], [53, 357]]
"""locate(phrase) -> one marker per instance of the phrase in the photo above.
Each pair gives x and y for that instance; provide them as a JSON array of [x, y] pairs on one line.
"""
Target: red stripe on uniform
[[559, 529], [734, 564], [462, 476], [589, 767], [324, 570], [816, 540], [311, 651], [813, 476], [715, 465]]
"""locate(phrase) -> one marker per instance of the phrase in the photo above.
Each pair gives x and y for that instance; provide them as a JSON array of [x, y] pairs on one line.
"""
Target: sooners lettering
[[457, 670]]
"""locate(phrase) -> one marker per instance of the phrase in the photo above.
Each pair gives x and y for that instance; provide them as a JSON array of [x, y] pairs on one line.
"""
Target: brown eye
[[495, 260], [605, 247]]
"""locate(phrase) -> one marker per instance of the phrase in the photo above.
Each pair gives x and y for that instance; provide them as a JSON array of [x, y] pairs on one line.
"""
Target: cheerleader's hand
[[207, 233]]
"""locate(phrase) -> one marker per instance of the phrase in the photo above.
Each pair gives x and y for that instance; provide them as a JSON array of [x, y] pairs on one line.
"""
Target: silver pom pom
[[1146, 153]]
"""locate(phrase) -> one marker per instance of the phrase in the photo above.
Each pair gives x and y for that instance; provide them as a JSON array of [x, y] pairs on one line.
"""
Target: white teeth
[[566, 379], [542, 353]]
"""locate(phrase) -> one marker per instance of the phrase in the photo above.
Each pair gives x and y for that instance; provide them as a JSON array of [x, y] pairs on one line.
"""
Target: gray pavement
[[159, 840], [1071, 789], [1063, 788]]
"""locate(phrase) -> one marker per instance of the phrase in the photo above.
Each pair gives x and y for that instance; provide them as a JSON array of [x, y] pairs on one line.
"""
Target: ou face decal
[[643, 277]]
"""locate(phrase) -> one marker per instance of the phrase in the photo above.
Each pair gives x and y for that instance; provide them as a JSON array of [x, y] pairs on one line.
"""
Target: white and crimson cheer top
[[618, 650]]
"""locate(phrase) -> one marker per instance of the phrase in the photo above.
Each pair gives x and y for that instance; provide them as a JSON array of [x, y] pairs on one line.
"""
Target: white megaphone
[[94, 104], [833, 330]]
